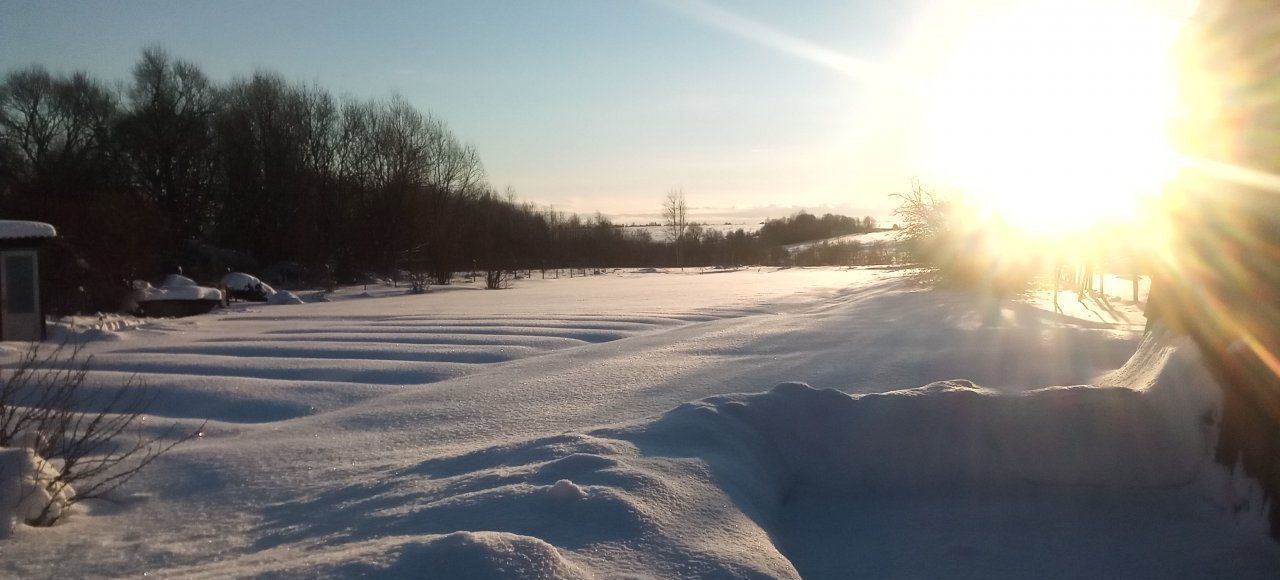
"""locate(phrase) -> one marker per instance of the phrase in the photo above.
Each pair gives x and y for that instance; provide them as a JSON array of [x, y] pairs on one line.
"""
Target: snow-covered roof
[[16, 230]]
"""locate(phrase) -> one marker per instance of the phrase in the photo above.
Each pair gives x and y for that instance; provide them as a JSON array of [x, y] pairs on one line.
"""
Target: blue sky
[[584, 104]]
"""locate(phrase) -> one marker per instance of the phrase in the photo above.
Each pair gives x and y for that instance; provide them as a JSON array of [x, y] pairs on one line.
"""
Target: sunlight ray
[[770, 37], [1233, 173]]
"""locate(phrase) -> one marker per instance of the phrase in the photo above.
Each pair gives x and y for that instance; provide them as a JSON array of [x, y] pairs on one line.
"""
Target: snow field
[[566, 445]]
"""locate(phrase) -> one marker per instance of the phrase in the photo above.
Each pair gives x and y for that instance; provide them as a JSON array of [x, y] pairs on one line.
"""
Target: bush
[[82, 444], [497, 279], [957, 248]]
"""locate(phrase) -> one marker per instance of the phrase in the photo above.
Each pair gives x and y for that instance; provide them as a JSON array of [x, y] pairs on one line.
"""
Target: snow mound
[[284, 297], [175, 287], [29, 490], [483, 555], [566, 490]]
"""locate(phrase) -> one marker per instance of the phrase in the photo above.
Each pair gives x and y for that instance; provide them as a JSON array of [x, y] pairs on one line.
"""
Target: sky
[[752, 107]]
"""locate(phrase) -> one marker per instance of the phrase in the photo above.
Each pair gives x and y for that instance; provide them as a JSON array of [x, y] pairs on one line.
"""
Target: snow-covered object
[[284, 297], [29, 491], [16, 230], [175, 287], [239, 281]]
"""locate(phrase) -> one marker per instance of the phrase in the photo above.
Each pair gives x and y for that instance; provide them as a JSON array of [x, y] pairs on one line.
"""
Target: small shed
[[21, 312]]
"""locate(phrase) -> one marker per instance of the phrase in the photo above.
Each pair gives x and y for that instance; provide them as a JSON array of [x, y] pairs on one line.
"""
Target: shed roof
[[17, 230]]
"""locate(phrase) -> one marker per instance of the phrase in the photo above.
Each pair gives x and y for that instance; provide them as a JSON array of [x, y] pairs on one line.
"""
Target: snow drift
[[708, 489]]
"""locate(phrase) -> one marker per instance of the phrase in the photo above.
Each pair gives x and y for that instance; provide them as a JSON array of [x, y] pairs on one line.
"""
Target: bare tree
[[675, 215], [925, 215]]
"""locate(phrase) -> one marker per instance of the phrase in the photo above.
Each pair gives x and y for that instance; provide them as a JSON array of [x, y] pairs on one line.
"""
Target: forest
[[172, 171]]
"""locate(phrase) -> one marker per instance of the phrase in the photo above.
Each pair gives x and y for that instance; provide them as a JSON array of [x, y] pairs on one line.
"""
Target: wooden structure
[[21, 307]]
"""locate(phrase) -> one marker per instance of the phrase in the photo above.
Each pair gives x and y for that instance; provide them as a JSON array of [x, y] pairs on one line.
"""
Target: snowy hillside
[[877, 237], [656, 425]]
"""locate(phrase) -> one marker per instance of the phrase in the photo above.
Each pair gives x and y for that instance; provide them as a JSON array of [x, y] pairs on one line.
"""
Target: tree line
[[171, 169], [805, 227]]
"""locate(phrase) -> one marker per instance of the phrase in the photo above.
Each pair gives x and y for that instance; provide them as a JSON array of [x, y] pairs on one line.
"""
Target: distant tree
[[805, 227], [924, 214], [675, 215], [166, 137]]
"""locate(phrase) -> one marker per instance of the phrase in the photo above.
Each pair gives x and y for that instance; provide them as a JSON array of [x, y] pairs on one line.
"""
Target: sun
[[1054, 117]]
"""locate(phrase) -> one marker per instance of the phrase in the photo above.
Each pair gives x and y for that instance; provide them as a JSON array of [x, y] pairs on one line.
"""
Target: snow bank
[[25, 495], [14, 230]]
